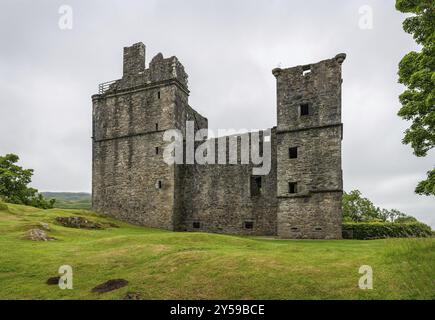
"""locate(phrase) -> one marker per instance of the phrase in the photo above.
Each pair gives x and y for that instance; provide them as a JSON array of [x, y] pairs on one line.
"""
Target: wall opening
[[158, 94], [249, 225], [157, 150], [157, 127], [293, 152], [196, 225], [292, 187], [255, 186], [294, 229], [306, 70], [159, 184], [304, 109]]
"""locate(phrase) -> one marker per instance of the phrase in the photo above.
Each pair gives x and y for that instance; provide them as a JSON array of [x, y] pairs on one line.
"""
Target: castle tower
[[130, 180], [309, 134]]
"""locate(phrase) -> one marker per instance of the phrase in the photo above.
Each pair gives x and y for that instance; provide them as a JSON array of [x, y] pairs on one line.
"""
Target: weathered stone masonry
[[299, 198]]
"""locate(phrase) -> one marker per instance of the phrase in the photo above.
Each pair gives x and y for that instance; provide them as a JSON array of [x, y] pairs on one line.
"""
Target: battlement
[[136, 74]]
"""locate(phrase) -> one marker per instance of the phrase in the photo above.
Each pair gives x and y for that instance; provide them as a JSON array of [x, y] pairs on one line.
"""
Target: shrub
[[380, 230]]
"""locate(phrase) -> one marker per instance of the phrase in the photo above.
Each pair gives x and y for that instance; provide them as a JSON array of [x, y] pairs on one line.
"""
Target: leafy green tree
[[417, 73], [14, 182], [356, 208]]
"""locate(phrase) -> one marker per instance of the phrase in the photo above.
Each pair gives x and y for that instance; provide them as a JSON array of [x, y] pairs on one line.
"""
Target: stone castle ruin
[[300, 197]]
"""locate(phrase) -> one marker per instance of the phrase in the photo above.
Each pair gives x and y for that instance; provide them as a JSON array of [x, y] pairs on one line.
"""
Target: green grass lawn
[[167, 265]]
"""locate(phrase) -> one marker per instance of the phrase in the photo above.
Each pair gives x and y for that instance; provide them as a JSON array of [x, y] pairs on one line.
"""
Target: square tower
[[309, 134], [130, 180]]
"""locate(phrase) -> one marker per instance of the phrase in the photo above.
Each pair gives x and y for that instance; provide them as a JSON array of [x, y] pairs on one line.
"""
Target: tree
[[14, 182], [417, 73], [356, 208]]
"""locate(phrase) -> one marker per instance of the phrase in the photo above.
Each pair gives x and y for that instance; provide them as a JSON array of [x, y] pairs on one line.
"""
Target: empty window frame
[[255, 186], [293, 152], [248, 225], [304, 109], [196, 225], [159, 184], [292, 187], [306, 70]]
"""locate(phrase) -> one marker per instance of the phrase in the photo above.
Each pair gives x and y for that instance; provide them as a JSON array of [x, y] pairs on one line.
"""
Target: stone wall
[[219, 197]]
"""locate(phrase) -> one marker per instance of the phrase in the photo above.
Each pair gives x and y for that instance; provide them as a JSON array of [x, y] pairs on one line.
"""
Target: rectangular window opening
[[305, 110], [292, 187], [255, 186], [293, 152], [306, 70], [158, 95], [159, 184], [196, 225], [157, 150], [249, 224], [157, 127]]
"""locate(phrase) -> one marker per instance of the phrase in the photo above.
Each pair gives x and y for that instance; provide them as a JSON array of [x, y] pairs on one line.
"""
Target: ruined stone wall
[[219, 197]]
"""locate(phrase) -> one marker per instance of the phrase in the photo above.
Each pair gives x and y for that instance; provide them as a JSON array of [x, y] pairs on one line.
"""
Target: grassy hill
[[166, 265], [70, 200]]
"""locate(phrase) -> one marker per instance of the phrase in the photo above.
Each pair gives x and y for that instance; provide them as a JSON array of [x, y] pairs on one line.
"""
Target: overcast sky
[[228, 48]]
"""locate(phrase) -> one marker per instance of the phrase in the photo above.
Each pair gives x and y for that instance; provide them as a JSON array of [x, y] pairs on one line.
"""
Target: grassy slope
[[167, 265], [70, 200]]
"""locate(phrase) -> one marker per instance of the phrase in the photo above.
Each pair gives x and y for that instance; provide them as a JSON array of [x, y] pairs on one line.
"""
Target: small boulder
[[132, 296], [78, 222], [38, 235], [110, 285]]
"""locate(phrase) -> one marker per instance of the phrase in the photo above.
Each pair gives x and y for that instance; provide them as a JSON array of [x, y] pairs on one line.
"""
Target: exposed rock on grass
[[38, 235], [78, 222], [132, 296], [110, 285]]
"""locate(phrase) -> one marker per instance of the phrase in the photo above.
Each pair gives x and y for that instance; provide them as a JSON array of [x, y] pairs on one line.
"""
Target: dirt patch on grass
[[110, 285], [53, 281]]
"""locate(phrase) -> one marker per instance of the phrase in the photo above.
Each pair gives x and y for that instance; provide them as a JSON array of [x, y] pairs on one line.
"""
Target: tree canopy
[[14, 182], [356, 208], [417, 73]]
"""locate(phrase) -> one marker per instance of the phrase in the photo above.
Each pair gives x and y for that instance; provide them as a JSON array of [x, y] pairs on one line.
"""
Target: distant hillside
[[70, 200]]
